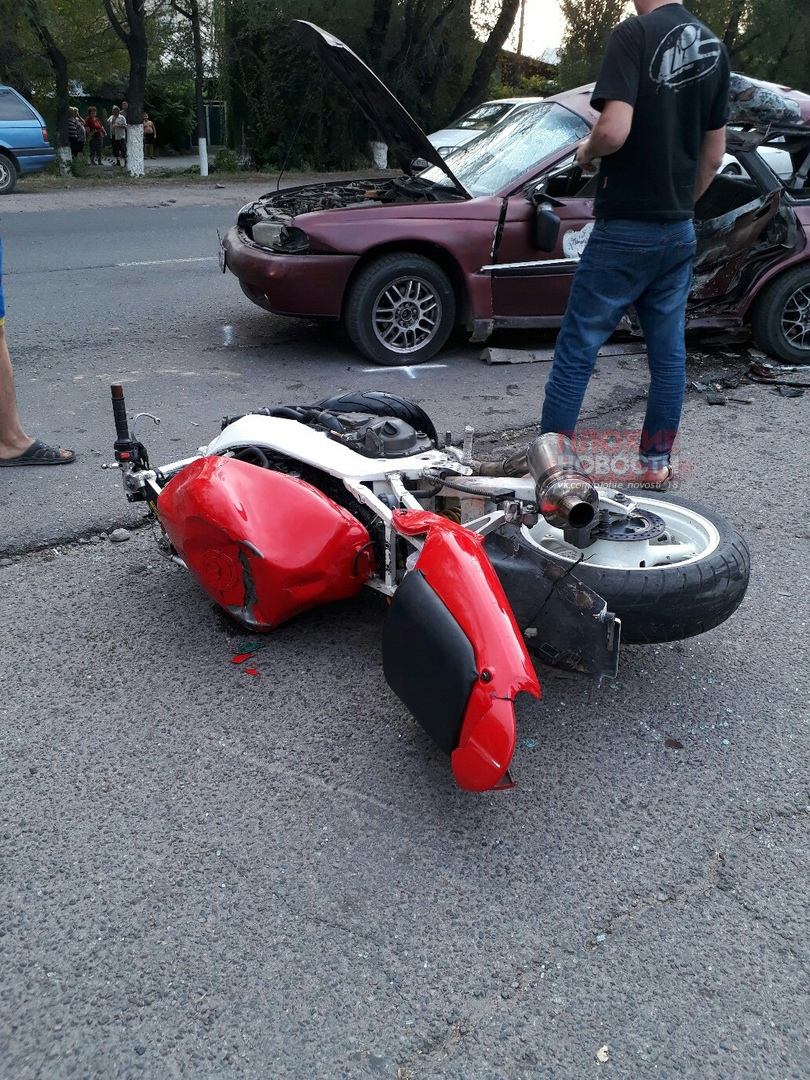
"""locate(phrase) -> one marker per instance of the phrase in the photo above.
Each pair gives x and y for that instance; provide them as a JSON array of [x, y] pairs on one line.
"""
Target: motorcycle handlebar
[[119, 412]]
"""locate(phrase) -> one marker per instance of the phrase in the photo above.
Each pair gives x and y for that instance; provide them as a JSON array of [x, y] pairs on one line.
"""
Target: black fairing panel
[[428, 660], [572, 626]]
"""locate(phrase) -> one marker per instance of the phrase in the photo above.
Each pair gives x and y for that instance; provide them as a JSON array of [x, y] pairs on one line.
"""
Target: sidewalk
[[173, 161]]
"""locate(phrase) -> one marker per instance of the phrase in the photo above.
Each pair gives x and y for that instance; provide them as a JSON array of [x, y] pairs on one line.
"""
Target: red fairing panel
[[455, 566], [265, 546]]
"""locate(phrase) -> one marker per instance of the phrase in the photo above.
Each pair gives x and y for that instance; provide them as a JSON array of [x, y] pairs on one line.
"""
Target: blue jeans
[[648, 264]]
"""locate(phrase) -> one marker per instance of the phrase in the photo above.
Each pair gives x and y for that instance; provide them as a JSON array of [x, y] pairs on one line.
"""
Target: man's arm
[[711, 158], [608, 135]]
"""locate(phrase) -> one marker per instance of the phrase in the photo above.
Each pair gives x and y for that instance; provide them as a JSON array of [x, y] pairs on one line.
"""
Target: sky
[[542, 29]]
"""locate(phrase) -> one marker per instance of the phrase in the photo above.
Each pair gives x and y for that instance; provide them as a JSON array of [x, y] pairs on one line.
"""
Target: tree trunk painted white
[[135, 149], [64, 160], [379, 154], [203, 148]]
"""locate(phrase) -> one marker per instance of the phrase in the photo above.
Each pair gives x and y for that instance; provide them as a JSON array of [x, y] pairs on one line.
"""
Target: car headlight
[[293, 239], [267, 233], [278, 237]]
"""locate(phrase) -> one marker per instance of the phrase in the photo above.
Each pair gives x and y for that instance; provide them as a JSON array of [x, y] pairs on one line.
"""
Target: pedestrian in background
[[662, 92], [149, 136], [95, 134], [81, 134], [75, 127], [118, 134]]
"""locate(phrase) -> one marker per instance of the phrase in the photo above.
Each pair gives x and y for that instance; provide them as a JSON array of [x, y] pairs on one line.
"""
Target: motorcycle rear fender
[[453, 653], [266, 546]]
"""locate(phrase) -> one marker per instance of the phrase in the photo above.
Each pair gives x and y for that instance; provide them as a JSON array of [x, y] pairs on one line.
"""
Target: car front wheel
[[8, 175], [780, 318], [400, 310]]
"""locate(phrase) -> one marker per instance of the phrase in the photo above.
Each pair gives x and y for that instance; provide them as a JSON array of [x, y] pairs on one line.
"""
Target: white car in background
[[476, 121], [778, 161]]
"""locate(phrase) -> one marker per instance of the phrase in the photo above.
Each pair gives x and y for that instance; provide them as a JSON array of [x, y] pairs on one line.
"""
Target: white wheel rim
[[689, 538]]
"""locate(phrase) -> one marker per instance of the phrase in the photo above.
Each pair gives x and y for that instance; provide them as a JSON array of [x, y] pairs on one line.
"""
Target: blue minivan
[[24, 146]]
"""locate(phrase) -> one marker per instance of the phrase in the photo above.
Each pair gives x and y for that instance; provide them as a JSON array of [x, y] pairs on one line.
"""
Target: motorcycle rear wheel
[[676, 586]]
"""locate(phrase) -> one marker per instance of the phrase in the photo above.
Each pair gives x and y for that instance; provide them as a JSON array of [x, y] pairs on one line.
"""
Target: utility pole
[[520, 27]]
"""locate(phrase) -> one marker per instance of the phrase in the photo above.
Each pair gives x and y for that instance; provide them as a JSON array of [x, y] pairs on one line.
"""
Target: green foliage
[[225, 161], [170, 104], [285, 107], [79, 167], [588, 26], [527, 86], [766, 39]]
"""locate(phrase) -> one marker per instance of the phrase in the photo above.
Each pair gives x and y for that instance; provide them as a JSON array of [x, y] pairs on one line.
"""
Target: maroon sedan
[[489, 237]]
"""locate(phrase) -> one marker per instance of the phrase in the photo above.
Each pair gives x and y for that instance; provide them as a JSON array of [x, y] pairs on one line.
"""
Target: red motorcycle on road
[[295, 506]]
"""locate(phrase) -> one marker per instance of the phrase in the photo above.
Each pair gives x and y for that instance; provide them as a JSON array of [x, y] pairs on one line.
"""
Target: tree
[[58, 61], [487, 60], [191, 11], [129, 23], [588, 26]]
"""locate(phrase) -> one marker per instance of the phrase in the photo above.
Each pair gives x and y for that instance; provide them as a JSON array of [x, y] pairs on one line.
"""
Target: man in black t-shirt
[[662, 93]]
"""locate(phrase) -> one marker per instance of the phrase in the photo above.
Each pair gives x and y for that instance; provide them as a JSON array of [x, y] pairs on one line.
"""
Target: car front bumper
[[308, 285]]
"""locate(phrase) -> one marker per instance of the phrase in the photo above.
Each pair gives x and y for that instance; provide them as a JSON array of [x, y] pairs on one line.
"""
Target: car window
[[484, 116], [14, 108], [492, 161]]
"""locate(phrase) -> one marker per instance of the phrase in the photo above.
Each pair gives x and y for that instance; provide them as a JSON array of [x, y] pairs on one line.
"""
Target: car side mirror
[[546, 228]]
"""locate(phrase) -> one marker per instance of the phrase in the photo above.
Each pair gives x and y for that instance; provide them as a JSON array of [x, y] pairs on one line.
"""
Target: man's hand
[[584, 159], [608, 135]]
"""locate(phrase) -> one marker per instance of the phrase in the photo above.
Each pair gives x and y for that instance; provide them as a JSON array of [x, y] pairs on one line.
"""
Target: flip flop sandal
[[38, 453], [657, 485]]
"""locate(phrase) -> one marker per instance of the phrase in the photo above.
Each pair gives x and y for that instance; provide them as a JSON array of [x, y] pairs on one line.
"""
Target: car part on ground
[[295, 506]]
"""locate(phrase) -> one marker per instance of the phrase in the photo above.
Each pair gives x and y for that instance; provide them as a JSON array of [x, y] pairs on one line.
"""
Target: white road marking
[[168, 262], [410, 370]]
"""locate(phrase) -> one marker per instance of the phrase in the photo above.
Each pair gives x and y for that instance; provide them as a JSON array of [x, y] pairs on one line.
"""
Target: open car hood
[[405, 139]]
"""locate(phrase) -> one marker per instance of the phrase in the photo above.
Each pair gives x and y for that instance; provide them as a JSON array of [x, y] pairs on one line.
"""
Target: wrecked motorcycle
[[295, 506]]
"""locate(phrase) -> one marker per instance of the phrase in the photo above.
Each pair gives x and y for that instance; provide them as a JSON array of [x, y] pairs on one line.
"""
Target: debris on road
[[118, 536], [721, 399], [770, 373], [534, 356]]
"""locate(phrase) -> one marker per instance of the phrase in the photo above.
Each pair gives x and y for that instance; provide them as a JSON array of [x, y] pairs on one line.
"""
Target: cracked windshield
[[492, 161]]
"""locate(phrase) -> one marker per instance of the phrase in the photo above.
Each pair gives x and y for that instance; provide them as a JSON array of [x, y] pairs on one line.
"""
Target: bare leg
[[13, 439]]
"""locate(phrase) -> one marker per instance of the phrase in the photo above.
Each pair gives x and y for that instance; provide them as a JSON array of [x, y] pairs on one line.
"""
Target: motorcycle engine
[[385, 437]]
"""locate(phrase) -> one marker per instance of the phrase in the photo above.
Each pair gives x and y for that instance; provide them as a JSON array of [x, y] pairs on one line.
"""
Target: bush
[[78, 166], [225, 160]]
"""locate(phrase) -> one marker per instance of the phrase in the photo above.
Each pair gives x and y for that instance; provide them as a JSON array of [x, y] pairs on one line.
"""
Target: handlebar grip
[[119, 412]]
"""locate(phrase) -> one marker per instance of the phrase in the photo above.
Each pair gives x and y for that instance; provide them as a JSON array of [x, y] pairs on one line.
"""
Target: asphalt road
[[205, 873]]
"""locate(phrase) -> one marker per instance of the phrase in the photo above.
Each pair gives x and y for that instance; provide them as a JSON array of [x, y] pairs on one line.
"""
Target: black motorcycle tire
[[668, 603], [371, 302], [379, 403], [777, 317]]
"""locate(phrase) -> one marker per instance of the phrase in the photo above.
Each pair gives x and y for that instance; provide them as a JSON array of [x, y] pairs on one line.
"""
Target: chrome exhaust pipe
[[566, 496]]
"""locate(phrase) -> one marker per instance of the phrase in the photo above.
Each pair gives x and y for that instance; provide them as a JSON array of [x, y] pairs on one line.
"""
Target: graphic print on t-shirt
[[688, 53]]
